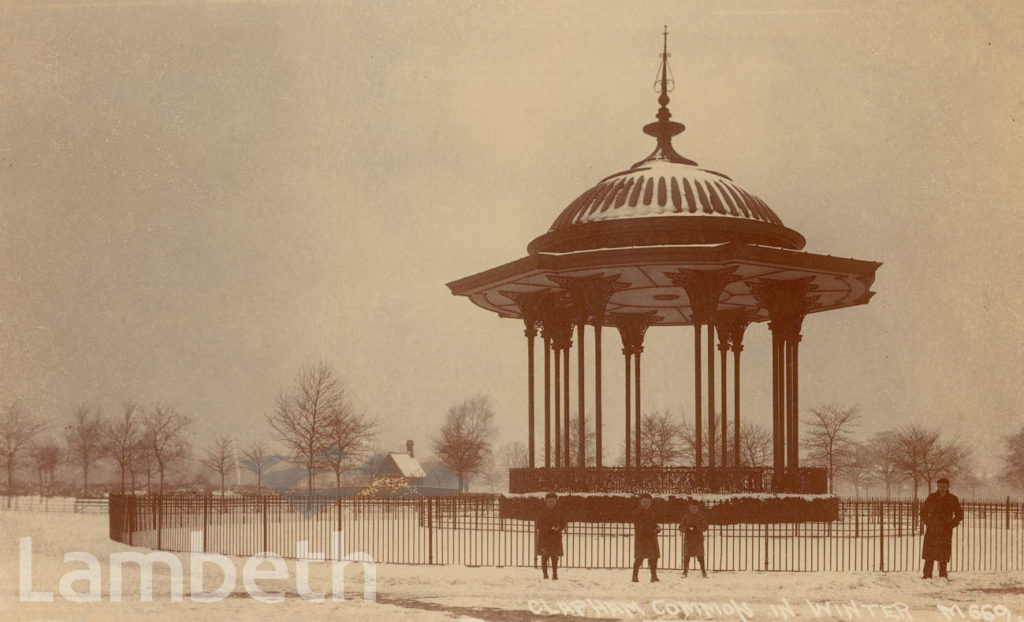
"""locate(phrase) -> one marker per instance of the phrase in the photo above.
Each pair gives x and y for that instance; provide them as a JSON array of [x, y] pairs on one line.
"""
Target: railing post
[[206, 518], [159, 522], [766, 547], [881, 536], [131, 520], [265, 549], [856, 519], [430, 530], [1007, 512]]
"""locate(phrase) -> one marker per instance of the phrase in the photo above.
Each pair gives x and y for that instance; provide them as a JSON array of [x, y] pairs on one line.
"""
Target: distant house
[[441, 477], [400, 464]]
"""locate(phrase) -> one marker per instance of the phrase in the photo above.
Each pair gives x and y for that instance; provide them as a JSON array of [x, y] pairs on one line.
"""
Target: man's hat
[[943, 480], [646, 495], [551, 495]]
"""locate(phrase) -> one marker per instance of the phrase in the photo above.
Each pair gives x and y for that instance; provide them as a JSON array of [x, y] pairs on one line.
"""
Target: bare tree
[[514, 456], [45, 457], [755, 445], [304, 419], [574, 441], [884, 448], [493, 476], [859, 468], [947, 457], [1013, 461], [923, 456], [828, 438], [256, 460], [220, 458], [84, 439], [164, 437], [464, 442], [17, 430], [142, 463], [352, 434], [120, 440], [663, 440], [712, 445]]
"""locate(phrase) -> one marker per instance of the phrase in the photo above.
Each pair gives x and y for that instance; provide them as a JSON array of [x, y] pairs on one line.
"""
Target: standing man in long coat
[[940, 513], [549, 525], [645, 532]]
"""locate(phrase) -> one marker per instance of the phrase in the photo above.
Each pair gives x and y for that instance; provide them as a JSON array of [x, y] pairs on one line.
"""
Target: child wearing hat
[[693, 525], [549, 526], [645, 531]]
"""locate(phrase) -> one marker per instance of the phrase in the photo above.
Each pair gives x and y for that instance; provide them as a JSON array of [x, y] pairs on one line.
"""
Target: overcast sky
[[197, 199]]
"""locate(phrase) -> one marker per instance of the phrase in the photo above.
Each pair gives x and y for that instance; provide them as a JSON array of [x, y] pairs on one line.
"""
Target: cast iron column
[[698, 405], [547, 400], [711, 403], [629, 403], [531, 332], [589, 295], [704, 288], [632, 327], [566, 453], [598, 450], [723, 347], [787, 303], [581, 455], [636, 413]]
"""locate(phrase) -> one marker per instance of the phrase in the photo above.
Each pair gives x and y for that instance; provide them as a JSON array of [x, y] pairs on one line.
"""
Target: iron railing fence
[[37, 503], [870, 535]]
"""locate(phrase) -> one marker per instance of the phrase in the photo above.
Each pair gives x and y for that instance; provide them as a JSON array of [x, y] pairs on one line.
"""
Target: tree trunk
[[85, 480], [222, 484], [831, 476], [122, 477], [10, 480]]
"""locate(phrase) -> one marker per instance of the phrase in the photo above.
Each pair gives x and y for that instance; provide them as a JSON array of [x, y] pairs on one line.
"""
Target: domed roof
[[665, 199]]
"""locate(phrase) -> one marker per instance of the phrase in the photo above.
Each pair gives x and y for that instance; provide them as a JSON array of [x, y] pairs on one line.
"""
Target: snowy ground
[[451, 592]]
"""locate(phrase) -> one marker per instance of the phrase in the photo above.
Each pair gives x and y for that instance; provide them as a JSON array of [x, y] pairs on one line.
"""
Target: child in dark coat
[[645, 532], [549, 526], [692, 526]]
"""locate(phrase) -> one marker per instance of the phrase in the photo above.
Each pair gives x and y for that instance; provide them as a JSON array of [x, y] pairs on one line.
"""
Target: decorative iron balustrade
[[666, 480]]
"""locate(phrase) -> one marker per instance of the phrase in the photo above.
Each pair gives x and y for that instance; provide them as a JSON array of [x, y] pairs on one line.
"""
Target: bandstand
[[664, 243]]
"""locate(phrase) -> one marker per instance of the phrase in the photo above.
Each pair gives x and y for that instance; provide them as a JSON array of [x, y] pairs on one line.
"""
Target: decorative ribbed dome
[[665, 199]]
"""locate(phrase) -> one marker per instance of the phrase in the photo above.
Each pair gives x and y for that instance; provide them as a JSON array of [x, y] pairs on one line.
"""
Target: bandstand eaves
[[645, 285]]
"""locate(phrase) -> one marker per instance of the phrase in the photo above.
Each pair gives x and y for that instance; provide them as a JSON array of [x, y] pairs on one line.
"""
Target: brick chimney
[[408, 448]]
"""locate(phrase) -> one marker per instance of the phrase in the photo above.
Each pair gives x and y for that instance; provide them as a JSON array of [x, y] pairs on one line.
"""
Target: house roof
[[407, 465]]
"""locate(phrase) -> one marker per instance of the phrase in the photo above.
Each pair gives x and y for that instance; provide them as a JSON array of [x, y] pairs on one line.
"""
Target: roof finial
[[663, 129], [663, 100]]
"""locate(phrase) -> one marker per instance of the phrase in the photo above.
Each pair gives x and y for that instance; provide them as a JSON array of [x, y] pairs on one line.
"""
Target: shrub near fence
[[874, 535]]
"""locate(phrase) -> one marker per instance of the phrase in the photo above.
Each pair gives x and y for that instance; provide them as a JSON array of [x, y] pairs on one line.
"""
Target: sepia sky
[[197, 199]]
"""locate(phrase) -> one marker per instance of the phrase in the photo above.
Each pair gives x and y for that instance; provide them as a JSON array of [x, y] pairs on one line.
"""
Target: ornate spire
[[663, 129]]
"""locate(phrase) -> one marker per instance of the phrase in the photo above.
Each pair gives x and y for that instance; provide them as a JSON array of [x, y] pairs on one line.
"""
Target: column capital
[[632, 328], [703, 288], [557, 324], [787, 303], [589, 294], [733, 324]]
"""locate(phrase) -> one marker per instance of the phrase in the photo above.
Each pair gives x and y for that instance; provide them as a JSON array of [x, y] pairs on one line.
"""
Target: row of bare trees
[[141, 442], [913, 452]]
